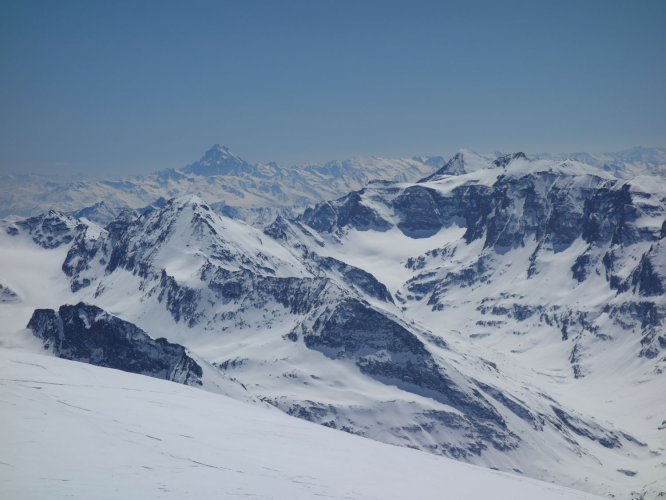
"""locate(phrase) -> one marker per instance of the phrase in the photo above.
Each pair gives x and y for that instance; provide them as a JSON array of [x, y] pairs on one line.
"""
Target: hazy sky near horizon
[[127, 87]]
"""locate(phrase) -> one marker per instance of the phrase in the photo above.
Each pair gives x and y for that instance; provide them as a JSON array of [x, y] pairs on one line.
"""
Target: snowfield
[[71, 430]]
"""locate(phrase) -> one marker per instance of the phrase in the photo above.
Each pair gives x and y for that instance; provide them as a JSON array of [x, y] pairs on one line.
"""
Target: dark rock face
[[388, 352], [588, 429], [581, 268], [7, 295], [347, 211], [323, 217], [645, 316], [645, 280], [503, 161], [80, 258], [120, 224], [417, 209], [89, 334], [279, 229], [356, 278], [607, 214], [180, 301], [517, 407], [297, 295], [354, 213], [455, 166], [436, 286], [50, 230]]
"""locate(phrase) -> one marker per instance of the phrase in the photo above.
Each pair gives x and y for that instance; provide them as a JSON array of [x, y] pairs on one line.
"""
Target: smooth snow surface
[[385, 253], [71, 430], [34, 274]]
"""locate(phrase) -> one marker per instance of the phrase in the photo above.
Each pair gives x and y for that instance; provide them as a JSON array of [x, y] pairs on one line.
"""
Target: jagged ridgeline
[[491, 311]]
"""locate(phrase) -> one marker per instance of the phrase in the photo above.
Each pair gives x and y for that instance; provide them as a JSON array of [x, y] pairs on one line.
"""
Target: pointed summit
[[187, 200], [463, 162], [504, 160], [219, 160], [217, 151]]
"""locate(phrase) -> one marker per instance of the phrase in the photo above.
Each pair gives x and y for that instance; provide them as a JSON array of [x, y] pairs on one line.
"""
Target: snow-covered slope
[[253, 192], [70, 430]]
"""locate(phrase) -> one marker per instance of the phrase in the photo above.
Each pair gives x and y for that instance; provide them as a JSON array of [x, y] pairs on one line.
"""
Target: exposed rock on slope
[[87, 333]]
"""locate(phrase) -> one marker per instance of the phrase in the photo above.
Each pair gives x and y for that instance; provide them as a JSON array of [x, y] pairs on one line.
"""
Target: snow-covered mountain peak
[[218, 160], [219, 148], [504, 160], [463, 162], [49, 230], [466, 167], [182, 243], [218, 152], [479, 167], [187, 200], [466, 161]]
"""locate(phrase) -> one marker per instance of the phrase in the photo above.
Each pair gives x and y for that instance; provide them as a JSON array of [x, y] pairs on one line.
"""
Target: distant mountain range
[[253, 192], [257, 193], [625, 164]]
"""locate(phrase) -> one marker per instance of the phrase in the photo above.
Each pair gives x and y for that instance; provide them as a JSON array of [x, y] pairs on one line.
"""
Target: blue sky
[[127, 87]]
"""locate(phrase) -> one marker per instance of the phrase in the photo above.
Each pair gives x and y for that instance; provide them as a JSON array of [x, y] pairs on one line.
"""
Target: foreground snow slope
[[78, 431]]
